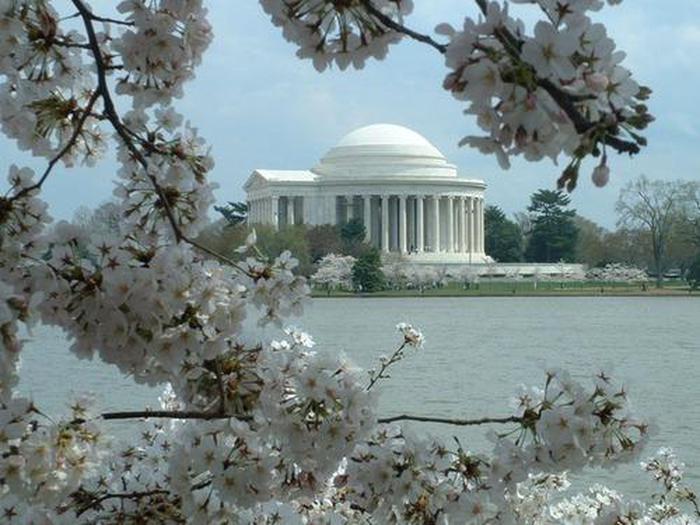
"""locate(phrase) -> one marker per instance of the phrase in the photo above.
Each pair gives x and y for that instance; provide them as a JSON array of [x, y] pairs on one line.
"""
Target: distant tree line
[[658, 228]]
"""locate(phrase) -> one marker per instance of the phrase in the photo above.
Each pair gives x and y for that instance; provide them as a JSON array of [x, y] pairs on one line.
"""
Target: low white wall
[[456, 266]]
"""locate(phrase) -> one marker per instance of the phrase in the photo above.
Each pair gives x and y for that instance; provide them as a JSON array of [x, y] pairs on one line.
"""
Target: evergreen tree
[[234, 212], [503, 238], [367, 273], [554, 232]]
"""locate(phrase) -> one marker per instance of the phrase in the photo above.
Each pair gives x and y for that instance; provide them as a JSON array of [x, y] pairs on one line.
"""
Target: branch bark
[[208, 416], [173, 414], [451, 421], [400, 28]]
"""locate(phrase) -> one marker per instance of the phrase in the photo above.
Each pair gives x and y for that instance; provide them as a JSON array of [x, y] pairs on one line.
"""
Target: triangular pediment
[[256, 181]]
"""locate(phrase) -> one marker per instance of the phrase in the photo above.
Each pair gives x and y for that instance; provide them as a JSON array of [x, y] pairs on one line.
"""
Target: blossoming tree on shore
[[250, 430], [334, 272]]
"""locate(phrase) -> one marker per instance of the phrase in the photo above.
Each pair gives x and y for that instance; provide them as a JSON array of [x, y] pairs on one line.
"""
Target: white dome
[[387, 135], [385, 151]]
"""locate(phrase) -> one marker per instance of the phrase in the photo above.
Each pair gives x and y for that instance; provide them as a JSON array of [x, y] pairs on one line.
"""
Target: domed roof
[[387, 151], [387, 135]]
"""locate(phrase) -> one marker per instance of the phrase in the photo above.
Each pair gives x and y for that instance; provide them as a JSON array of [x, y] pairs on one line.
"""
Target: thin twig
[[400, 28], [449, 421], [111, 20], [395, 358], [120, 495], [65, 149]]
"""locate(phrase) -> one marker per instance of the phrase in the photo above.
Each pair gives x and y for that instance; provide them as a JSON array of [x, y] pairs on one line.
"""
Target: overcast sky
[[261, 107]]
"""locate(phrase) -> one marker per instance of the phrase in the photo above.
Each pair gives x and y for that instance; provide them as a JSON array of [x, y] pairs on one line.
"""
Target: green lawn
[[526, 288]]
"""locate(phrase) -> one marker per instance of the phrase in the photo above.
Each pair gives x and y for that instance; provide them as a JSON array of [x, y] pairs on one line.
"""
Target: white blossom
[[340, 32], [269, 427]]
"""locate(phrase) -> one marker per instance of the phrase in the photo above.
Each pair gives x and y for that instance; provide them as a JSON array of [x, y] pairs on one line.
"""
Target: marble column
[[385, 223], [367, 210], [290, 211], [420, 226], [462, 229], [274, 212], [477, 226], [470, 225], [436, 224], [481, 225], [450, 224], [350, 208], [403, 219], [305, 210], [331, 208]]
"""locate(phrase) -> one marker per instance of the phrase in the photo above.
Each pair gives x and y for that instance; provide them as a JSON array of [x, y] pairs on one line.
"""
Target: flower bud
[[601, 175]]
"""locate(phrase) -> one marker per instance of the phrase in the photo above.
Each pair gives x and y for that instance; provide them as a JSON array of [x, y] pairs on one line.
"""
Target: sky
[[259, 106]]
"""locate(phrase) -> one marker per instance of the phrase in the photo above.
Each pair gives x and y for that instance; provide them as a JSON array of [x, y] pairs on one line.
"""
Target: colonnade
[[278, 211], [424, 223], [393, 222]]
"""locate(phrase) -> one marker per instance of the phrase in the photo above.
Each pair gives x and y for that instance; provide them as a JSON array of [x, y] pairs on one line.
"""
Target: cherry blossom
[[258, 423], [334, 271], [344, 32]]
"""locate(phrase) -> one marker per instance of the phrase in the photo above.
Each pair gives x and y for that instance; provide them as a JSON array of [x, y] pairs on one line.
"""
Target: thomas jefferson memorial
[[405, 192]]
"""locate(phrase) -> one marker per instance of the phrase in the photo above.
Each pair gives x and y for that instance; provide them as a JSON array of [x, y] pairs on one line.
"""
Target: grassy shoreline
[[519, 290]]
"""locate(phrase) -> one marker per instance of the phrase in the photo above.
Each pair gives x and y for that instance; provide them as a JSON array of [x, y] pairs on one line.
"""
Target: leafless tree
[[691, 220], [654, 206]]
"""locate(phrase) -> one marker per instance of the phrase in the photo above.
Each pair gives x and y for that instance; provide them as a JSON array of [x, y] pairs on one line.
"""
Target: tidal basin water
[[477, 351]]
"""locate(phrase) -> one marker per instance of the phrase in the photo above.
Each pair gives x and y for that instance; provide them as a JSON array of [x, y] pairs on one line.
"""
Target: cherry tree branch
[[400, 28], [96, 500], [450, 421], [173, 414], [124, 133], [563, 99], [112, 115], [108, 20], [386, 363], [208, 416], [64, 150]]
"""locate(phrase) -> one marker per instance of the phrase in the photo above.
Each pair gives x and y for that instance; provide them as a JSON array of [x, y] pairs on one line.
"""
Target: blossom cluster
[[334, 271], [618, 273], [560, 90], [565, 427], [45, 85], [160, 48], [45, 462], [344, 32]]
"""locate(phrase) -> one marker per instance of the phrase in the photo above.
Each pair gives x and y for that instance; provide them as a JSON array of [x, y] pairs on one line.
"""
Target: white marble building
[[405, 192]]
